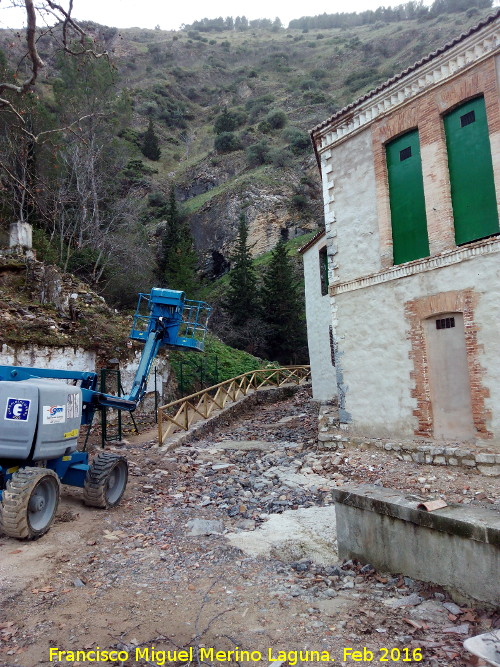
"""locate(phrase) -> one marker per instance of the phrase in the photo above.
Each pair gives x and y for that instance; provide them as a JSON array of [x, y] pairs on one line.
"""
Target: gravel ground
[[159, 571]]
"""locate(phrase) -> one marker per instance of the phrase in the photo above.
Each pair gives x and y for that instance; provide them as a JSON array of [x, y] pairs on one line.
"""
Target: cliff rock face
[[270, 206]]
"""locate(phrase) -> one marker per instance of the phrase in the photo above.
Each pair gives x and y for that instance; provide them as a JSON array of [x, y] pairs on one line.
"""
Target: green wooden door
[[406, 192], [471, 172]]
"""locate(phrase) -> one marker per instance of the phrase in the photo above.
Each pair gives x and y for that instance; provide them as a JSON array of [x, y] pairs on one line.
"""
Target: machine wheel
[[29, 503], [106, 480]]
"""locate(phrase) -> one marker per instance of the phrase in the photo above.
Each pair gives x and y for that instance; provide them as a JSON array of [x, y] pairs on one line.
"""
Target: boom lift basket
[[184, 321]]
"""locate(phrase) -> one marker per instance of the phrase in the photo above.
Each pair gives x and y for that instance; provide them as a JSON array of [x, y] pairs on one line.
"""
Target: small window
[[405, 154], [446, 323], [323, 271], [467, 118]]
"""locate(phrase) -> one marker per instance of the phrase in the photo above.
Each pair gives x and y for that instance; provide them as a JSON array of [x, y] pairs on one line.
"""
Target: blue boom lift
[[40, 420]]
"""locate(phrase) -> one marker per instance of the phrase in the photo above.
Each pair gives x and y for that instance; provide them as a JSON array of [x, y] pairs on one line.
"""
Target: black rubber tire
[[41, 488], [106, 480]]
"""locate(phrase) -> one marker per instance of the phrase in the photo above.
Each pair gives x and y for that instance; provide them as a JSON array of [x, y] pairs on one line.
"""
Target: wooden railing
[[182, 413]]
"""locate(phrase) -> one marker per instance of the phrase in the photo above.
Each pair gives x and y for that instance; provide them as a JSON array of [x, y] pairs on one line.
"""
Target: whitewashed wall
[[318, 313], [78, 359], [61, 358], [356, 241], [373, 346]]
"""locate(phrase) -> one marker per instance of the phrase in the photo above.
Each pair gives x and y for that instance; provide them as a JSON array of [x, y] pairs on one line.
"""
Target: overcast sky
[[170, 15]]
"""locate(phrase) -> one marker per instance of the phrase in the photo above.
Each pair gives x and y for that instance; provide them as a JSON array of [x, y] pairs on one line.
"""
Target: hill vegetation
[[215, 115]]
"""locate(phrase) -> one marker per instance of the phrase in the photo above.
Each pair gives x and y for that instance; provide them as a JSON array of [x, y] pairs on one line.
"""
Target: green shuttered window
[[473, 195], [406, 193], [323, 271]]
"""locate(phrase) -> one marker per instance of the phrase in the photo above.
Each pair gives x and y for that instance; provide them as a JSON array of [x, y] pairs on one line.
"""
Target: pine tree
[[242, 301], [282, 309], [177, 261], [150, 144]]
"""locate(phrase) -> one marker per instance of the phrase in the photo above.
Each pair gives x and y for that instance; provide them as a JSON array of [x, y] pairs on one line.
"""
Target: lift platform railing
[[180, 414], [176, 321]]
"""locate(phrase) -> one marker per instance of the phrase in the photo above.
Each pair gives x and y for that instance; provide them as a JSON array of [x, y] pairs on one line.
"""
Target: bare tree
[[42, 18]]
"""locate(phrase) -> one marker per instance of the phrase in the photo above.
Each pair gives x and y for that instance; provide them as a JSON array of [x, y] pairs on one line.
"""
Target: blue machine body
[[163, 318]]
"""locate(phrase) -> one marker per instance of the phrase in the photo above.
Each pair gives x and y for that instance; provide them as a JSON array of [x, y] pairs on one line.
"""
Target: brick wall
[[425, 113], [418, 310]]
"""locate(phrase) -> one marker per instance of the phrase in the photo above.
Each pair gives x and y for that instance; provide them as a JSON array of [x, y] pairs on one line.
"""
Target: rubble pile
[[165, 566]]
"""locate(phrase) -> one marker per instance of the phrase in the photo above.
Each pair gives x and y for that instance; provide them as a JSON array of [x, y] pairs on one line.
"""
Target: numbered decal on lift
[[18, 409], [54, 414]]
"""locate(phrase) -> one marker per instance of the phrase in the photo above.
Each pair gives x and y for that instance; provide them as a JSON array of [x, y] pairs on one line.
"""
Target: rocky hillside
[[188, 79], [231, 110], [41, 306]]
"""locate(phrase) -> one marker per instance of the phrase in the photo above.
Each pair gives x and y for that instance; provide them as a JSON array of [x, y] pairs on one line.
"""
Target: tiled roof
[[408, 70], [312, 241]]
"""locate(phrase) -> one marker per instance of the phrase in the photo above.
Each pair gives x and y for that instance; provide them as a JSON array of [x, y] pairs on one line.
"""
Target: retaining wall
[[457, 547]]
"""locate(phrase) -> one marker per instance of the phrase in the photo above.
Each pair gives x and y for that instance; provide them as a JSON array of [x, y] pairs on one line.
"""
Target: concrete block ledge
[[457, 547]]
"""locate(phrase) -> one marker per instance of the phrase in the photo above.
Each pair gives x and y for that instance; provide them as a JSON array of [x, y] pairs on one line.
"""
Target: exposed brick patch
[[418, 310]]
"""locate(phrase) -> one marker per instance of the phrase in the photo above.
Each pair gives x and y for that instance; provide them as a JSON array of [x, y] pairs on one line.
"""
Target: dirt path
[[137, 576]]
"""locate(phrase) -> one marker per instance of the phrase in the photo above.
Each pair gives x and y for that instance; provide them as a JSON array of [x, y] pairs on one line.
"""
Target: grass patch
[[194, 370]]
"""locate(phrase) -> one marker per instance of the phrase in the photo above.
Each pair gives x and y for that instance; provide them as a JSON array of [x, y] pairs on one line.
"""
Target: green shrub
[[258, 153], [300, 202], [264, 127], [319, 74], [309, 84], [280, 157], [228, 121], [82, 263], [276, 119], [44, 248], [131, 135], [157, 199], [257, 106], [227, 142], [361, 78], [317, 97], [298, 140]]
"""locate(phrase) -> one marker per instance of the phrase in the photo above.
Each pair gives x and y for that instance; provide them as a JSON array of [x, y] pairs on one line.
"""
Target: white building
[[319, 320], [411, 183]]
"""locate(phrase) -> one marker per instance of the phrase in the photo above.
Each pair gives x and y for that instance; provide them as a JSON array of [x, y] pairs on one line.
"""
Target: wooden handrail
[[201, 404]]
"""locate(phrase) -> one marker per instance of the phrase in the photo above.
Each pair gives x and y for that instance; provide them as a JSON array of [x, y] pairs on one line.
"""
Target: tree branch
[[69, 26]]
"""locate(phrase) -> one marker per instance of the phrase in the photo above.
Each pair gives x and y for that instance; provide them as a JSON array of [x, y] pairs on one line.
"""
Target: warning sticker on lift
[[18, 409], [54, 414], [73, 406]]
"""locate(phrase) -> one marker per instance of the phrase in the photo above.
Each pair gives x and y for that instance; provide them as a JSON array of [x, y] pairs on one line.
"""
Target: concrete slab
[[297, 479], [485, 646], [335, 606], [295, 534]]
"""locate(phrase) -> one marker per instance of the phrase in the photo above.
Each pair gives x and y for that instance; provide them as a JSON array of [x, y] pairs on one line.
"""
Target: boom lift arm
[[40, 419]]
